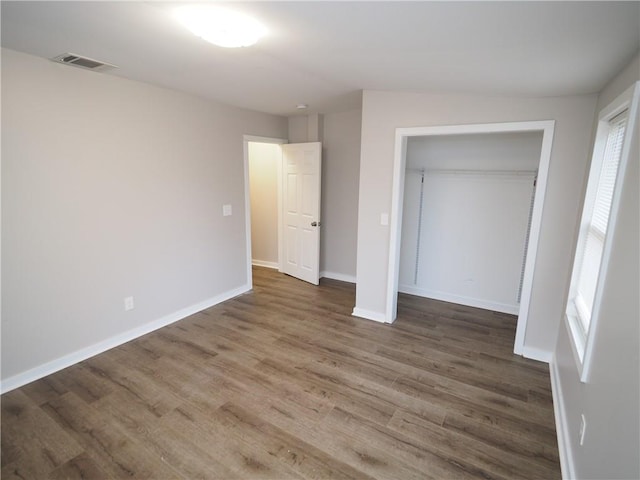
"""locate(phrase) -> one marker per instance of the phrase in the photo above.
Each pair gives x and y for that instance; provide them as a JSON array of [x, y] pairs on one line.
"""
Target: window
[[598, 220], [596, 227]]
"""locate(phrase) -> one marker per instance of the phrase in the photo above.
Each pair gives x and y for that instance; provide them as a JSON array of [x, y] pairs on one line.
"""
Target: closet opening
[[467, 208], [466, 213]]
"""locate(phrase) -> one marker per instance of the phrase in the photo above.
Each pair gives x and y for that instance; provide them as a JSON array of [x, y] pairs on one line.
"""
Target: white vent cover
[[82, 62]]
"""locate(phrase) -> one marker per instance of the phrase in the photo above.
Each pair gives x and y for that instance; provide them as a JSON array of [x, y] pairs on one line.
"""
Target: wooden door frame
[[247, 201], [400, 157]]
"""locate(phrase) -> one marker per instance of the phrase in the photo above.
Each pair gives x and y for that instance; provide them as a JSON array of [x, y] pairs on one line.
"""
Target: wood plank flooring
[[284, 383]]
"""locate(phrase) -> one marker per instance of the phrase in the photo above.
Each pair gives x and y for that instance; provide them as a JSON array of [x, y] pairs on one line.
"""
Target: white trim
[[576, 332], [338, 276], [630, 98], [65, 361], [370, 315], [263, 263], [247, 209], [259, 139], [460, 299], [547, 129], [582, 342], [247, 199], [395, 232], [537, 354], [534, 234], [279, 170], [562, 427]]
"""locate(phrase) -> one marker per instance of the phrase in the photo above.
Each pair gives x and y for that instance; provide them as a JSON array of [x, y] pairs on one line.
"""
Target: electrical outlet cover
[[128, 304]]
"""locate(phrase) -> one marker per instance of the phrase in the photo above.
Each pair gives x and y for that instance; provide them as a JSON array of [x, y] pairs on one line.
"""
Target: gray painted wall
[[340, 137], [112, 188], [340, 171], [610, 400], [383, 112], [297, 128]]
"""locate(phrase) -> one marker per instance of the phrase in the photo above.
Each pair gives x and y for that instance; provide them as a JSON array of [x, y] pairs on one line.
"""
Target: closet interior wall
[[263, 187], [466, 217]]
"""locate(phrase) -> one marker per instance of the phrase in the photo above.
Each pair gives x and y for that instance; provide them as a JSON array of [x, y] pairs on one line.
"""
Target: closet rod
[[526, 173]]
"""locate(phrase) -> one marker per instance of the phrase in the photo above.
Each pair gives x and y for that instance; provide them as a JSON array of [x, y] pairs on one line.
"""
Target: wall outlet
[[128, 304], [226, 210], [583, 428]]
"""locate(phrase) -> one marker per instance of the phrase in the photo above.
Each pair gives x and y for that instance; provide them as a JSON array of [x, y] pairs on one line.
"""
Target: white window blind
[[613, 144], [598, 219]]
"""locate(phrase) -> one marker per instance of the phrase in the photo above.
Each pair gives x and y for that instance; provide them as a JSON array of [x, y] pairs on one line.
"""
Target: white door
[[301, 208]]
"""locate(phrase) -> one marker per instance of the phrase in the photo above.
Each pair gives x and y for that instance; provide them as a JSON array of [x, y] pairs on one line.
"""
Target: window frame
[[582, 341]]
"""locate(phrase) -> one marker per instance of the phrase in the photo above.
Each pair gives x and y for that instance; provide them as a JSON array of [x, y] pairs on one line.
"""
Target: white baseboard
[[562, 429], [338, 276], [263, 263], [65, 361], [469, 301], [537, 354], [370, 315]]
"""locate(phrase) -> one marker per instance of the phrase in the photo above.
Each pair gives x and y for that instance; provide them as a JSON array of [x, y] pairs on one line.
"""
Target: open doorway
[[400, 163], [263, 201], [264, 172], [282, 206]]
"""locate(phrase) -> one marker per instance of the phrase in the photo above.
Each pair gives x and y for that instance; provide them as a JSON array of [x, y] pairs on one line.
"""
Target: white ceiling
[[325, 53]]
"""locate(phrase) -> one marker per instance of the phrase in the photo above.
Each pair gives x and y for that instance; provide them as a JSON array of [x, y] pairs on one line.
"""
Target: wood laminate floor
[[284, 383]]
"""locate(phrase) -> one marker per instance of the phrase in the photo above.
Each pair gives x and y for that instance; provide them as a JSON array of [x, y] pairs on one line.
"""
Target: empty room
[[320, 240]]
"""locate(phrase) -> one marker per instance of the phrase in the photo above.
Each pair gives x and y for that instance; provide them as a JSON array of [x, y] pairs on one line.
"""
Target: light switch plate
[[384, 219], [226, 210]]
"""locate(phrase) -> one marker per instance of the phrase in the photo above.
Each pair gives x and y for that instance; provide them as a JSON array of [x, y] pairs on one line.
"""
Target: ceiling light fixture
[[220, 26], [302, 106]]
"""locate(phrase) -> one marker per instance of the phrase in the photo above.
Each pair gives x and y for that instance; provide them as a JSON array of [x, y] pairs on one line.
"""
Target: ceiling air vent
[[82, 62]]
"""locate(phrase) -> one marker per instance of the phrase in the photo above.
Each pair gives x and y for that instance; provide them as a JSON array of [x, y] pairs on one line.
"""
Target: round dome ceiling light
[[221, 26]]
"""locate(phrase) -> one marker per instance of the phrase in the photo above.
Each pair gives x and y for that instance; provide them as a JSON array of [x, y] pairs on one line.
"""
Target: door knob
[[315, 224]]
